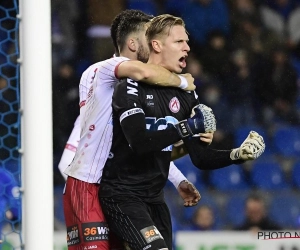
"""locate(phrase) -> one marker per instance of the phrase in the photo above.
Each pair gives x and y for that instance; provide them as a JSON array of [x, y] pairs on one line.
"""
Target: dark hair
[[132, 17]]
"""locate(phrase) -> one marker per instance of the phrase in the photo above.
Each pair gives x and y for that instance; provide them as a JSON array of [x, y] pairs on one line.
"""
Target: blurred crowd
[[245, 58]]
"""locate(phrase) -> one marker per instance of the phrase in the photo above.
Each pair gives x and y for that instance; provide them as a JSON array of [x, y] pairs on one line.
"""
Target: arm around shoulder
[[154, 74]]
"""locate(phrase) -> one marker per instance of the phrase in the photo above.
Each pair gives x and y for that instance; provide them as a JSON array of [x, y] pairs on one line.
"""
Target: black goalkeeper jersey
[[139, 161]]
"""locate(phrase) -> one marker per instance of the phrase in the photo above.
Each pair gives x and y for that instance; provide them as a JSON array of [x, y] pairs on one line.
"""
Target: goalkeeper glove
[[251, 148], [202, 120]]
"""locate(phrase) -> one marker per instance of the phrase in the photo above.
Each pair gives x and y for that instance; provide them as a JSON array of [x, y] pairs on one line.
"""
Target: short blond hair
[[160, 26]]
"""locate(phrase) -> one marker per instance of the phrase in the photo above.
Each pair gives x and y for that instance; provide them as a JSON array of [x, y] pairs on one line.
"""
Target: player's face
[[175, 49], [143, 48]]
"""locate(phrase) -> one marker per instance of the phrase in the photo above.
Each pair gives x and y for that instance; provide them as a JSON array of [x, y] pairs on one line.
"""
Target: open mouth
[[182, 61]]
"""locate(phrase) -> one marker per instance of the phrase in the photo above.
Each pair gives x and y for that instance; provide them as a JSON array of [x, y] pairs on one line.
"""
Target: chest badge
[[174, 105]]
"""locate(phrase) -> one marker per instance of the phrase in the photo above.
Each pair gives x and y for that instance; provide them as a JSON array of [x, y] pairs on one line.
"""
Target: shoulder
[[191, 96], [128, 84], [105, 64], [127, 89], [114, 61]]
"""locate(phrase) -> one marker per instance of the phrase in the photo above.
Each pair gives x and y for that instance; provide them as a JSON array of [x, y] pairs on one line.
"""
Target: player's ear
[[131, 43], [156, 45]]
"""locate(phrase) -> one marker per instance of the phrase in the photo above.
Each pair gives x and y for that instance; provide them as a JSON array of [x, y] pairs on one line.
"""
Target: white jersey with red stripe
[[96, 90], [74, 137]]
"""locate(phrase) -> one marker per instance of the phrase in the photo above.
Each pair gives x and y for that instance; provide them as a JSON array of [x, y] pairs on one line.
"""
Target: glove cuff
[[183, 129], [235, 154]]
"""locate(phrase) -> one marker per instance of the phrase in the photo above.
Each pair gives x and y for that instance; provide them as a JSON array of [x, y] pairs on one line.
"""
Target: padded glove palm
[[251, 148]]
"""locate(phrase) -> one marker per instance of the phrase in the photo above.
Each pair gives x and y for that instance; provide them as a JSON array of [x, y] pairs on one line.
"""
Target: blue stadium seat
[[242, 132], [287, 141], [193, 174], [175, 7], [285, 210], [235, 209], [296, 174], [229, 178], [268, 175]]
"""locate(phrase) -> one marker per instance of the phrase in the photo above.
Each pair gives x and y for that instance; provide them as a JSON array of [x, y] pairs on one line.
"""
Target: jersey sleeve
[[175, 175], [206, 158], [70, 148], [104, 71], [74, 136], [84, 84], [127, 104]]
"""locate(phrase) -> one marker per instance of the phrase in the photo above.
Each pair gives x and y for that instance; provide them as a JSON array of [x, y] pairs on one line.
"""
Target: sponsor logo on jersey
[[95, 231], [92, 127], [90, 247], [154, 124], [151, 234], [73, 235], [146, 247], [149, 97], [130, 112], [150, 103], [174, 105]]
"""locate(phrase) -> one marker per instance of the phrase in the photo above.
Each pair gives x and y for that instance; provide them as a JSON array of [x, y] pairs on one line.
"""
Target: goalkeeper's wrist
[[235, 154], [183, 82], [183, 129]]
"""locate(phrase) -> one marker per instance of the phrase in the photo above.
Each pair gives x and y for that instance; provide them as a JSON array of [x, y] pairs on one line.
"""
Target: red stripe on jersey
[[117, 67], [71, 147], [82, 103], [93, 77]]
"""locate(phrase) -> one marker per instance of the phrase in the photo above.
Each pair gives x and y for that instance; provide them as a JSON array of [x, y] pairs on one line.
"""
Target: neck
[[129, 54], [155, 59]]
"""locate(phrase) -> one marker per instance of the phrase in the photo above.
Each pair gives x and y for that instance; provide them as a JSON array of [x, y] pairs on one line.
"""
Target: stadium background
[[245, 58]]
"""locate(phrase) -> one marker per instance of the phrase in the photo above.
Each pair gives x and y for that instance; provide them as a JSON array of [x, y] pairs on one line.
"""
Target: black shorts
[[140, 225]]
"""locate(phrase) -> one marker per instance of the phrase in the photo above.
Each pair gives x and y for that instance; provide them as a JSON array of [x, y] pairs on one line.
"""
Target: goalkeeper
[[147, 120]]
